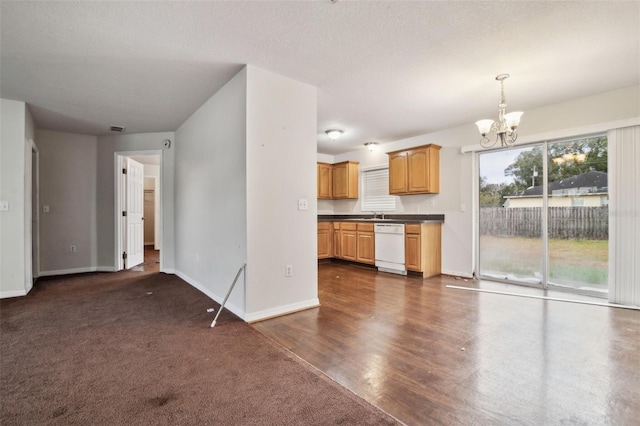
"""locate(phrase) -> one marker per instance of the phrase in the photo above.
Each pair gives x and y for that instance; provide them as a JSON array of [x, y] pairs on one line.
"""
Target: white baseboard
[[216, 297], [282, 310], [76, 271], [457, 274], [12, 293], [170, 271]]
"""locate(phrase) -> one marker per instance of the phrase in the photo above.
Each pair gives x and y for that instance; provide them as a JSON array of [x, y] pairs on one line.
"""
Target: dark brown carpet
[[136, 348]]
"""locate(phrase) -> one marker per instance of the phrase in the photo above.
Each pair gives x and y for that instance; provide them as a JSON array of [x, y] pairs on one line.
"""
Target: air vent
[[118, 129]]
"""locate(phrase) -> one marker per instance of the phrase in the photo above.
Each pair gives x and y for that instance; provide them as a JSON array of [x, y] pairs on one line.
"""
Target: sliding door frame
[[544, 283]]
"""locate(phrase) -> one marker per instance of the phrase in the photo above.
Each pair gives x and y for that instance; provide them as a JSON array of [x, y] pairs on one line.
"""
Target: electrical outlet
[[288, 271], [303, 204], [45, 209], [432, 203], [72, 248]]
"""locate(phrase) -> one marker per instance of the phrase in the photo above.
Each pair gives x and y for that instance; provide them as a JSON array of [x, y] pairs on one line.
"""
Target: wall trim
[[12, 293], [282, 310], [216, 297], [71, 271], [457, 274]]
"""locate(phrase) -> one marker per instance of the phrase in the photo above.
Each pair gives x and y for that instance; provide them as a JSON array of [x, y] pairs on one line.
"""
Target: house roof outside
[[588, 183]]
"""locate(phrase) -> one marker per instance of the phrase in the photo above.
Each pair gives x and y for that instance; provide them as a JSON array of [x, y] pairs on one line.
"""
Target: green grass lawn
[[574, 263]]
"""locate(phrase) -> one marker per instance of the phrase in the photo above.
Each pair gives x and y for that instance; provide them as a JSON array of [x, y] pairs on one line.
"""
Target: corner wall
[[13, 279], [281, 168], [211, 195]]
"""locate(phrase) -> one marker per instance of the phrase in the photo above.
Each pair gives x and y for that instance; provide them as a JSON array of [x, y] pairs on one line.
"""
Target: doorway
[[543, 215], [138, 243]]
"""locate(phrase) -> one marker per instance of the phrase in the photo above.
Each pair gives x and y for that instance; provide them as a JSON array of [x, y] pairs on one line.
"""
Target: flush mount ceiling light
[[371, 146], [334, 133], [506, 126]]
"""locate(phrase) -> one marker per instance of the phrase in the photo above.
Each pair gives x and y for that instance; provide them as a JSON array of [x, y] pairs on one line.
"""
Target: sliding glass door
[[578, 211], [510, 237], [543, 215]]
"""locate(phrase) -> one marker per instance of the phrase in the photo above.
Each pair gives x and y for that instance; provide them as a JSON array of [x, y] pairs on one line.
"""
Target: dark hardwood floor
[[428, 354]]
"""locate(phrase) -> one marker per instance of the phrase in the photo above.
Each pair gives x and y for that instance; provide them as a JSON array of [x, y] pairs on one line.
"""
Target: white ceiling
[[384, 70]]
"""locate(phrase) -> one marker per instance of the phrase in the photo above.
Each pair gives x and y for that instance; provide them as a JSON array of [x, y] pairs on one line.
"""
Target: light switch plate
[[45, 209], [4, 206]]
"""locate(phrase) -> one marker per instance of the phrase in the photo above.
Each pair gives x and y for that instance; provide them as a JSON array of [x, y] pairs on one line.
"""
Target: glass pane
[[510, 224], [578, 214]]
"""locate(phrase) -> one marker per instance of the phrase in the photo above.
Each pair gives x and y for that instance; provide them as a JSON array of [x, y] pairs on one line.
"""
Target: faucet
[[382, 215]]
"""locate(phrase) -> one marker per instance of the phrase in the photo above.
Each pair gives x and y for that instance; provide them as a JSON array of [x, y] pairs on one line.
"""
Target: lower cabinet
[[365, 250], [422, 248], [355, 241], [325, 240], [348, 241]]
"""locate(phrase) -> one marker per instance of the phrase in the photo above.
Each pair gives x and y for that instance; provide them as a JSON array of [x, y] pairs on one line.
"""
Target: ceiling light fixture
[[506, 126], [371, 146], [334, 133]]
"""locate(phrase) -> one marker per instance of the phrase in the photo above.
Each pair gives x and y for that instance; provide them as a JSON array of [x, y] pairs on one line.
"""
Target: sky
[[492, 164]]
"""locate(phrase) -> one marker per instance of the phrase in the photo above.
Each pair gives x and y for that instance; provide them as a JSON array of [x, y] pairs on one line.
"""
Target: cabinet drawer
[[324, 226], [365, 227], [412, 228], [348, 226]]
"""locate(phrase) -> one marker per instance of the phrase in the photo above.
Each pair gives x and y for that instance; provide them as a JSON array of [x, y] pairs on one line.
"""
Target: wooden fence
[[584, 223]]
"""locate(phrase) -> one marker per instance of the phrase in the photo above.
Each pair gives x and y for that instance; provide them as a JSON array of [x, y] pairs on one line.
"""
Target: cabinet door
[[340, 181], [324, 180], [365, 250], [325, 240], [424, 170], [418, 163], [349, 245], [398, 173], [412, 252], [337, 241]]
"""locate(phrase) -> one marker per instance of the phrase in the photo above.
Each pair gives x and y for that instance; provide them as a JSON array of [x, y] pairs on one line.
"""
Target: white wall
[[281, 168], [571, 118], [68, 187], [13, 280], [210, 188], [136, 143]]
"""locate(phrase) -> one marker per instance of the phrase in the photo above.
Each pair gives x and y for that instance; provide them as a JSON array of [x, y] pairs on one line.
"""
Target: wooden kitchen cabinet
[[348, 241], [337, 244], [325, 180], [325, 240], [422, 247], [365, 251], [345, 180], [415, 170], [338, 181]]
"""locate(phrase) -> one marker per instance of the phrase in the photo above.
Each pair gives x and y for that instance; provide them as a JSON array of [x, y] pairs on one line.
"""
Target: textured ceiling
[[384, 70]]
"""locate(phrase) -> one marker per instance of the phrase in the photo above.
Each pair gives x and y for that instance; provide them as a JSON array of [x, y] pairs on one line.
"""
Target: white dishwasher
[[389, 247]]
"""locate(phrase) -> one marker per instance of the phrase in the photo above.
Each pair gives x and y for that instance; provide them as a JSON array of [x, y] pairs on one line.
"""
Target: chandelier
[[506, 126]]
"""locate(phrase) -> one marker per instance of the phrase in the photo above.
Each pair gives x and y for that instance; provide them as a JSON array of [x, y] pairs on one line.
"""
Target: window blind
[[375, 191]]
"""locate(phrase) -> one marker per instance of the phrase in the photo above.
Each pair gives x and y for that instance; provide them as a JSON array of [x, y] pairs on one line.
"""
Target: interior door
[[134, 216]]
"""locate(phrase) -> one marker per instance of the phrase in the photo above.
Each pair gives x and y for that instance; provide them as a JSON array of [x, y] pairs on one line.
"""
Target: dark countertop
[[388, 218]]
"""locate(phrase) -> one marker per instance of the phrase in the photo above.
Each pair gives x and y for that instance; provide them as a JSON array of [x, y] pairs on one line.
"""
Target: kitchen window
[[375, 191]]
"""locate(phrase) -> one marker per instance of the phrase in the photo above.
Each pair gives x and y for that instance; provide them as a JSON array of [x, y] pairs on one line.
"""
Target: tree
[[492, 194], [529, 162]]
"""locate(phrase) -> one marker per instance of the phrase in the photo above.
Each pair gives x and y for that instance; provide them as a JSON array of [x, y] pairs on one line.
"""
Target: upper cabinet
[[338, 181], [325, 185], [415, 170]]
